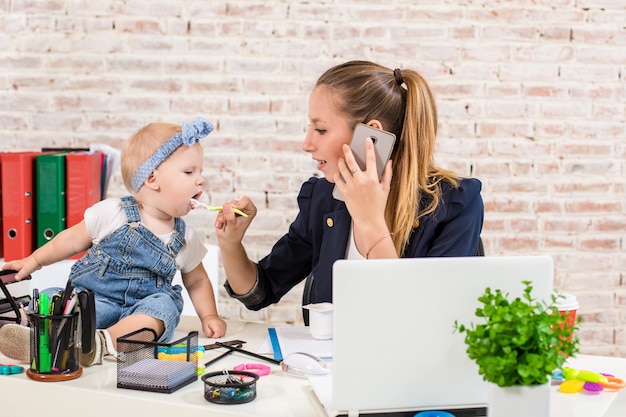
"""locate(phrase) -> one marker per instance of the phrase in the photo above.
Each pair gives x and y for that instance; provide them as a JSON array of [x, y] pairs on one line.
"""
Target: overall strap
[[129, 204], [177, 241]]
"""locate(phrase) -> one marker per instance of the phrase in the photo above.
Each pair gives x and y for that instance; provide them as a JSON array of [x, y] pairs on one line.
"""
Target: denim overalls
[[130, 271]]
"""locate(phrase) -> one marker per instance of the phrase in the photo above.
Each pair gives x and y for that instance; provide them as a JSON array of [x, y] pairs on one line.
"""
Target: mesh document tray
[[10, 305], [142, 364]]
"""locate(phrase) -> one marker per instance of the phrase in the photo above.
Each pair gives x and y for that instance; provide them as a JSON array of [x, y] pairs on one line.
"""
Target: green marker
[[45, 357]]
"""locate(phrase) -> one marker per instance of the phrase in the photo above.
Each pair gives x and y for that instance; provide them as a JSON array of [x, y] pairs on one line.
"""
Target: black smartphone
[[383, 145]]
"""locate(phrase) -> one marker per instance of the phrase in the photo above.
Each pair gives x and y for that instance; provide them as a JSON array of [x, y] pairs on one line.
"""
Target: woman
[[417, 209]]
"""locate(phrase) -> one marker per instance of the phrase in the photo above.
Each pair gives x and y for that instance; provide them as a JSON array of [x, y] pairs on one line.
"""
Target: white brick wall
[[531, 97]]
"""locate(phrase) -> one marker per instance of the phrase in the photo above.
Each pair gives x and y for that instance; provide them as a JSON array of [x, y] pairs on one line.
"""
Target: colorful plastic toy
[[257, 368], [179, 353], [11, 369], [574, 380]]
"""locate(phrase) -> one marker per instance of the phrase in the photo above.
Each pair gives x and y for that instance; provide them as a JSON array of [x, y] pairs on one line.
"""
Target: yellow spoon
[[195, 204]]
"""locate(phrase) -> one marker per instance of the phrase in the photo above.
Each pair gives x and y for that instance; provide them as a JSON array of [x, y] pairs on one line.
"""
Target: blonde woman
[[417, 209]]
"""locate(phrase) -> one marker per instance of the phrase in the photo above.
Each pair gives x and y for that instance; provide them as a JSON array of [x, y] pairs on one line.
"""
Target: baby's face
[[180, 178]]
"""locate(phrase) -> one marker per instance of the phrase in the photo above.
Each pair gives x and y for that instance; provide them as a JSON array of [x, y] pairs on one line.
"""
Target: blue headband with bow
[[190, 134]]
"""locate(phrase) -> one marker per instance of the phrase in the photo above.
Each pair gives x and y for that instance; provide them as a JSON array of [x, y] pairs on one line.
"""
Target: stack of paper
[[156, 374]]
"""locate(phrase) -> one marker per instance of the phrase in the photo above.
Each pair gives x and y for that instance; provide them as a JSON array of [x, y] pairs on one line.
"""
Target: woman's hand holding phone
[[367, 198], [366, 195], [382, 144]]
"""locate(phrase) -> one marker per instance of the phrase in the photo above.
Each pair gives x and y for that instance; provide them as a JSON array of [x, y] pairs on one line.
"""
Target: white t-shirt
[[352, 252], [106, 216]]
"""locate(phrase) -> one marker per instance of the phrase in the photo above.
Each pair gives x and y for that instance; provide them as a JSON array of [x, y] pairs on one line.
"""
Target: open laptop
[[395, 347]]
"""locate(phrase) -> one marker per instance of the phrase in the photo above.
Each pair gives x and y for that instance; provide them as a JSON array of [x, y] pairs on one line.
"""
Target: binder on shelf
[[55, 149], [83, 171], [111, 163], [50, 196], [18, 203], [1, 240], [104, 177], [83, 183]]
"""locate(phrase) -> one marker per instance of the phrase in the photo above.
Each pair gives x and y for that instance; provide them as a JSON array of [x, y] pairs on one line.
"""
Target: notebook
[[286, 340], [395, 348], [155, 374]]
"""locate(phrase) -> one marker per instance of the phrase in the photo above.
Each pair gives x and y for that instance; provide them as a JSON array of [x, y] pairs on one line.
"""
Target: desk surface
[[278, 394]]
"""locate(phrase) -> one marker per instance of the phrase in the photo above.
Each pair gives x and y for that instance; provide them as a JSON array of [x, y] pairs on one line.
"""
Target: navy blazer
[[319, 236]]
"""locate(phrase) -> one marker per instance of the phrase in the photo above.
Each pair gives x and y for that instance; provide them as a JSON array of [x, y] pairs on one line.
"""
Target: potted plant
[[519, 344]]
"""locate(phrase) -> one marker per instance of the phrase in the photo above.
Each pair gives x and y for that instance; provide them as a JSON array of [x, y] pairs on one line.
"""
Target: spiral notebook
[[394, 345]]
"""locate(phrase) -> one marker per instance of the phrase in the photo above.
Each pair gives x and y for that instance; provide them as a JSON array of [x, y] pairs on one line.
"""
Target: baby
[[136, 244]]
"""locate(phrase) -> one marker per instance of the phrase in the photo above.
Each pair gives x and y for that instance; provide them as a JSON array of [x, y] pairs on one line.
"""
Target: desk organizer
[[10, 305], [53, 349], [139, 366], [230, 387]]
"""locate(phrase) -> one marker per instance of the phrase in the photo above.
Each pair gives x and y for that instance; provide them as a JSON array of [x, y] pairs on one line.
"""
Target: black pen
[[35, 300], [62, 346], [67, 294], [36, 324], [236, 343]]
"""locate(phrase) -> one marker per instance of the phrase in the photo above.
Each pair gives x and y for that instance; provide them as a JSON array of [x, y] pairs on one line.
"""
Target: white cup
[[566, 301], [320, 320]]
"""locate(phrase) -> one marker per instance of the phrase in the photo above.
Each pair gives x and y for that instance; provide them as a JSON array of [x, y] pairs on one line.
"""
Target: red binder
[[18, 203], [1, 240], [83, 172]]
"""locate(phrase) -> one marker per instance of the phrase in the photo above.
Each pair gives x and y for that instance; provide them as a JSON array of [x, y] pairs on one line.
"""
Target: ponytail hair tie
[[397, 73]]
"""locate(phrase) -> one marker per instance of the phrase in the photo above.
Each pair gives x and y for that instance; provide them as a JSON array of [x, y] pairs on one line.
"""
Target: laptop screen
[[395, 347]]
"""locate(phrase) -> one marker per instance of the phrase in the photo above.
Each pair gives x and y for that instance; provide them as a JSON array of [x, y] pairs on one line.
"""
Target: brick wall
[[531, 96]]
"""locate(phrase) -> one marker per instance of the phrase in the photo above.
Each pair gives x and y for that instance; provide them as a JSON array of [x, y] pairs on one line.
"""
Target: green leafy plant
[[521, 342]]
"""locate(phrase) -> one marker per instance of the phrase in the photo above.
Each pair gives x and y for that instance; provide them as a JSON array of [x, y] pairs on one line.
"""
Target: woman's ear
[[376, 124]]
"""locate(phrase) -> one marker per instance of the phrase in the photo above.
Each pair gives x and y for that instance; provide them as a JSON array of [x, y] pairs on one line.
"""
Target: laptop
[[395, 347]]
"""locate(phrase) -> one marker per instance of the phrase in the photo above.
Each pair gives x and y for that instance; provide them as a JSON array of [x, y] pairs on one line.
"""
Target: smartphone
[[383, 145]]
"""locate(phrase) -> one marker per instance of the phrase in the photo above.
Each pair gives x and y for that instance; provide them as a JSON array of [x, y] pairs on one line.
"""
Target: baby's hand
[[24, 266], [213, 326]]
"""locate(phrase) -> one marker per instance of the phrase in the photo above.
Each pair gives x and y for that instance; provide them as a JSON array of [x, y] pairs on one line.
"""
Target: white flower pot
[[519, 401]]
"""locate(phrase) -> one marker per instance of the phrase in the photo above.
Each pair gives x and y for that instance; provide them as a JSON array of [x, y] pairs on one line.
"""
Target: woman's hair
[[405, 105], [141, 145]]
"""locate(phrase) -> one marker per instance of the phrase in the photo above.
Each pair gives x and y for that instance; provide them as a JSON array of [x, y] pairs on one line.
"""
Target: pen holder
[[54, 354]]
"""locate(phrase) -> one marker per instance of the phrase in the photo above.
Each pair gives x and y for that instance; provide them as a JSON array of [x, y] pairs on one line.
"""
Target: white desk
[[96, 392]]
